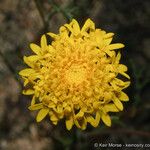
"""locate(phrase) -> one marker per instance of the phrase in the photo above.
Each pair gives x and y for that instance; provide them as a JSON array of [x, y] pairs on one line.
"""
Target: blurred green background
[[23, 22]]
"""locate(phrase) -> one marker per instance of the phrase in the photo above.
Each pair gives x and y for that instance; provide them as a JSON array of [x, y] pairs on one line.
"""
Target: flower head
[[76, 76]]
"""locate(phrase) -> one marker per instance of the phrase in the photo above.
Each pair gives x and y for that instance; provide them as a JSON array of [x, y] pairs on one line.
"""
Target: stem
[[74, 136], [12, 70], [60, 9], [40, 10]]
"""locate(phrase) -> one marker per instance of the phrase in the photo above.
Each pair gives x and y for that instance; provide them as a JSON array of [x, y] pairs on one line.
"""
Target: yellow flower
[[76, 76]]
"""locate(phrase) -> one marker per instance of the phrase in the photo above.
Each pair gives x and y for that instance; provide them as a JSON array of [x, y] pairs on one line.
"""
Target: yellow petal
[[110, 108], [109, 53], [31, 58], [92, 121], [115, 46], [33, 100], [27, 61], [36, 106], [43, 42], [59, 109], [80, 120], [51, 49], [80, 114], [122, 68], [51, 105], [42, 114], [28, 92], [115, 86], [26, 72], [118, 57], [35, 48], [55, 122], [54, 36], [127, 84], [53, 117], [119, 82], [83, 127], [124, 74], [73, 27], [96, 105], [89, 24], [30, 61], [81, 123], [123, 96], [69, 123], [76, 27], [106, 119], [108, 35], [118, 86], [26, 81], [63, 30], [107, 41], [97, 118], [67, 110], [118, 103]]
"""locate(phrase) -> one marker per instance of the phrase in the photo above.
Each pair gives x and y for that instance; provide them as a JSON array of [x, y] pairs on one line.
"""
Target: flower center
[[76, 74]]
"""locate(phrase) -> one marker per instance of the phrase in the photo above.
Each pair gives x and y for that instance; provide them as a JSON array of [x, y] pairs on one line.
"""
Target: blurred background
[[23, 22]]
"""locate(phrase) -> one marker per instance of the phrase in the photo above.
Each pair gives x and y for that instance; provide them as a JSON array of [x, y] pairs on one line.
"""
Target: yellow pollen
[[75, 75]]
